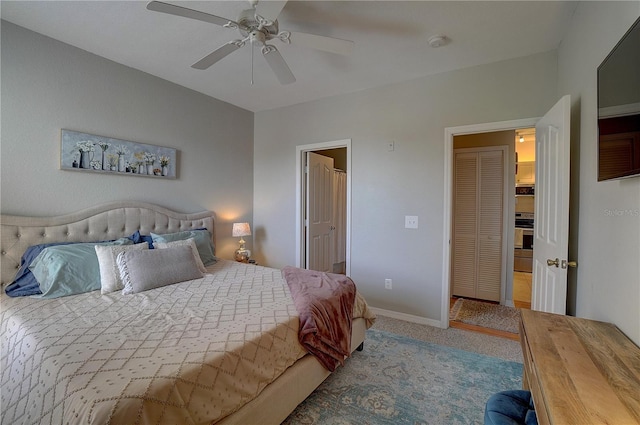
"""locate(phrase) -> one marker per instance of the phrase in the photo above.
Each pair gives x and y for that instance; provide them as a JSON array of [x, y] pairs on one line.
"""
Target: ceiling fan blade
[[218, 54], [319, 42], [158, 6], [270, 9], [277, 64]]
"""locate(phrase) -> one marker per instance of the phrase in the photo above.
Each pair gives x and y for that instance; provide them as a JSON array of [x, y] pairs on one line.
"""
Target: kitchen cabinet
[[526, 173], [523, 260]]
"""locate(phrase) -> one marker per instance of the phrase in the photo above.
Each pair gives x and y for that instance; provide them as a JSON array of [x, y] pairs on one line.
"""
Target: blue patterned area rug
[[400, 380]]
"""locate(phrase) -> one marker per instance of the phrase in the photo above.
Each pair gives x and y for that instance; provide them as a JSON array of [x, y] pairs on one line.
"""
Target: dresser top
[[588, 371]]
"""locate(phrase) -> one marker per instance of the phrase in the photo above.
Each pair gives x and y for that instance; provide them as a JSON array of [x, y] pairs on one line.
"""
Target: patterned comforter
[[188, 353]]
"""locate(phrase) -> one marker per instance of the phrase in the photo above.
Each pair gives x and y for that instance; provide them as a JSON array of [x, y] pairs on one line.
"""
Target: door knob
[[551, 262], [566, 263]]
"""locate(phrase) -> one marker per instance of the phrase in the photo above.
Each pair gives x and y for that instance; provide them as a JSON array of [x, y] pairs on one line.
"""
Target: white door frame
[[301, 153], [449, 133]]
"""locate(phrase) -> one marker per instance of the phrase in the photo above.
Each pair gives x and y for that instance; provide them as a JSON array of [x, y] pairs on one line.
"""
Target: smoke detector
[[437, 40]]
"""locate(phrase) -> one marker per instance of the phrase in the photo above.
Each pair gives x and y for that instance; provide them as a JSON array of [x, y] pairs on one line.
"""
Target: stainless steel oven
[[523, 242]]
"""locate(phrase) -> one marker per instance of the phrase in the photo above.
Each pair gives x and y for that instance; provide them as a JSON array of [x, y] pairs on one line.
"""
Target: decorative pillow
[[69, 269], [109, 274], [202, 238], [187, 242], [144, 270]]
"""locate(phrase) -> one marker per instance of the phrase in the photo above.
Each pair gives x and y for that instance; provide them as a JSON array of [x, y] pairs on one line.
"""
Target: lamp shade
[[241, 229]]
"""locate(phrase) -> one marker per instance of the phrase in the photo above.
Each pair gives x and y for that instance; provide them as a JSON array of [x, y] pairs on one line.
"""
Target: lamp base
[[242, 255]]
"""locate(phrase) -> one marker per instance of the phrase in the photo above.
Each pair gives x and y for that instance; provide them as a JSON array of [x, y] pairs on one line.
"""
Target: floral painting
[[98, 154]]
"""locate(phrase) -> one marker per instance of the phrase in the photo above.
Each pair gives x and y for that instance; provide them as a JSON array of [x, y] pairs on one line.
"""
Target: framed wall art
[[99, 154]]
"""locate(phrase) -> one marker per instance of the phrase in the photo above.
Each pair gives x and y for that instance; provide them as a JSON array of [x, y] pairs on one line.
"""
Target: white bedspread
[[187, 353]]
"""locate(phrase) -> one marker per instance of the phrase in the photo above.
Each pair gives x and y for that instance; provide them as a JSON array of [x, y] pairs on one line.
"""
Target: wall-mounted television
[[619, 109]]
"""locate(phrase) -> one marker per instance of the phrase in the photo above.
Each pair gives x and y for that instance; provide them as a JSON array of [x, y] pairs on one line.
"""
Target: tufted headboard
[[103, 222]]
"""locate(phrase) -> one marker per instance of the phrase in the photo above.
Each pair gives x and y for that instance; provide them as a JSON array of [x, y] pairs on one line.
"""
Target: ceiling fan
[[258, 26]]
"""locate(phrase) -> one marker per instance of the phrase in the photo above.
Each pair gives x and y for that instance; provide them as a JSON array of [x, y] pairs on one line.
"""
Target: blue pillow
[[25, 283], [202, 238], [69, 269], [138, 238]]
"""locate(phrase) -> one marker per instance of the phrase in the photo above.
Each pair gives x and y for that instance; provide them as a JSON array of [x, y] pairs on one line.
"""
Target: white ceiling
[[390, 41]]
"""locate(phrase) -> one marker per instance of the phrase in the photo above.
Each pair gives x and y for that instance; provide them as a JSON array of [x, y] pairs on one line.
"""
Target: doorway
[[525, 149], [340, 153], [448, 177]]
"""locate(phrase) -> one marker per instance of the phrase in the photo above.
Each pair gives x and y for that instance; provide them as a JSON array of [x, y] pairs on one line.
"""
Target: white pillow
[[186, 242], [144, 270], [109, 274]]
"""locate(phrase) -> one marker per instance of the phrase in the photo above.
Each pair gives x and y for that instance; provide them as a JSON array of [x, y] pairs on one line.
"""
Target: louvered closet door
[[490, 189], [465, 228], [476, 267]]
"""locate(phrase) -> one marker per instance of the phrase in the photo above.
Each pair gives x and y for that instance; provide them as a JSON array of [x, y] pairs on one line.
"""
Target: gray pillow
[[148, 269]]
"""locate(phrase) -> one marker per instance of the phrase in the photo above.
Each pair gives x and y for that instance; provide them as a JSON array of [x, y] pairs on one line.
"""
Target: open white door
[[319, 212], [551, 234]]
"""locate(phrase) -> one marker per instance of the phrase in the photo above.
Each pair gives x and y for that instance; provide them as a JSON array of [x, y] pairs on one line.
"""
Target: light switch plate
[[410, 221]]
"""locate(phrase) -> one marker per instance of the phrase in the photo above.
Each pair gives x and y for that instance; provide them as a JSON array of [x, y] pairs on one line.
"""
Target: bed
[[185, 353]]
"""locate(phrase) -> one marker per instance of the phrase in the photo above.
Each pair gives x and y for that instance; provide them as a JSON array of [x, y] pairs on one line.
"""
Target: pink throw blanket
[[325, 304]]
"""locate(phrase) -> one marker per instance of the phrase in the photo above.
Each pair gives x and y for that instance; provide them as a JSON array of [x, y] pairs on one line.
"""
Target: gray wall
[[605, 233], [386, 186], [48, 85]]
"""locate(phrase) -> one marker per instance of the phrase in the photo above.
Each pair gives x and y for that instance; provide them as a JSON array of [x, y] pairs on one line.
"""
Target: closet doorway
[[323, 206], [470, 130]]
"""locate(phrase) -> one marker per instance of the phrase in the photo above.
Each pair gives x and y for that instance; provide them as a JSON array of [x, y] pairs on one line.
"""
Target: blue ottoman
[[510, 408]]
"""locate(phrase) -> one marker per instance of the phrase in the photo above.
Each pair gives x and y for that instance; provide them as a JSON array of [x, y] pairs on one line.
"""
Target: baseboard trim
[[408, 317]]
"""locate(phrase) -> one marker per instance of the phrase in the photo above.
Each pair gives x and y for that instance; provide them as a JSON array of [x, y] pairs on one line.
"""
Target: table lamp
[[239, 230]]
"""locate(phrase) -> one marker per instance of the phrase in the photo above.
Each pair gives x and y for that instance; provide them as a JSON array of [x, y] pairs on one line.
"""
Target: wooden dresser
[[579, 371]]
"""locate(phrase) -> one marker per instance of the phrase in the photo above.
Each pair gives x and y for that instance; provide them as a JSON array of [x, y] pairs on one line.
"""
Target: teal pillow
[[201, 237], [69, 269]]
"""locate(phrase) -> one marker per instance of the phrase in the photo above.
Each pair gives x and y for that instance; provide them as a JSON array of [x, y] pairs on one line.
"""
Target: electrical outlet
[[388, 283], [410, 221]]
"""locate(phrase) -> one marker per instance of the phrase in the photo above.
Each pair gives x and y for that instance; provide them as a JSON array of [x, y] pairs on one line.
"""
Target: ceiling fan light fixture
[[437, 40], [257, 26]]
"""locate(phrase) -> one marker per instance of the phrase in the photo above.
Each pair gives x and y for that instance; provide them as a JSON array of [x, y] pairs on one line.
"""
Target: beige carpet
[[487, 315]]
